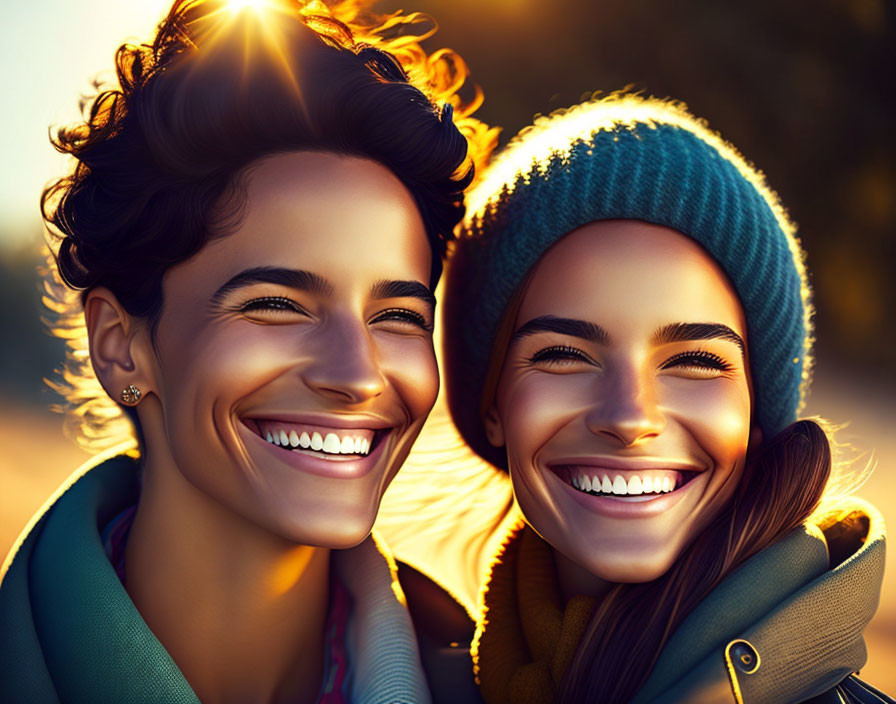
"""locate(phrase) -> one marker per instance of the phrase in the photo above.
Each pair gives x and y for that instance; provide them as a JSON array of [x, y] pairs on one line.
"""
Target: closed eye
[[560, 355], [403, 316], [274, 304], [699, 360]]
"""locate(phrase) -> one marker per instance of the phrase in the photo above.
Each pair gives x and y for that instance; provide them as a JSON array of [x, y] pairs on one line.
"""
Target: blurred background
[[804, 89]]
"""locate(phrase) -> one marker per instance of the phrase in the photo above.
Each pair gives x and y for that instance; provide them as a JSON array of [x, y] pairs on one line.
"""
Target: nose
[[626, 411], [344, 366]]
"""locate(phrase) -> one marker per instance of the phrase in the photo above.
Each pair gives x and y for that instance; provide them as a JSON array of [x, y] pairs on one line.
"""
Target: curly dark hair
[[160, 156]]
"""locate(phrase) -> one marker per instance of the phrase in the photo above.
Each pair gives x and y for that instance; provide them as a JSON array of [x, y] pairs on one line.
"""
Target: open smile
[[322, 449], [626, 485], [624, 488], [328, 442]]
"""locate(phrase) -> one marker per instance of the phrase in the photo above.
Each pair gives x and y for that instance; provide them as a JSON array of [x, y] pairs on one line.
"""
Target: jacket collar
[[784, 627], [66, 621]]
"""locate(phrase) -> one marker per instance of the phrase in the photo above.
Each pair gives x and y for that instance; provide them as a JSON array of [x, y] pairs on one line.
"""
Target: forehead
[[625, 274], [351, 220]]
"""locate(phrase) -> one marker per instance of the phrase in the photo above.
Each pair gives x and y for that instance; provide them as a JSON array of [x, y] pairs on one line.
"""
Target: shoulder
[[53, 553], [95, 491], [800, 606]]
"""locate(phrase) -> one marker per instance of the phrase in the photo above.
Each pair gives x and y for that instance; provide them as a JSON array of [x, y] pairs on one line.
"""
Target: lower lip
[[621, 507], [335, 468]]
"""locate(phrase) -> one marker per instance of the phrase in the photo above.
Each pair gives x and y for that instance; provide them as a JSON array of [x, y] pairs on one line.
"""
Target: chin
[[337, 531], [625, 567]]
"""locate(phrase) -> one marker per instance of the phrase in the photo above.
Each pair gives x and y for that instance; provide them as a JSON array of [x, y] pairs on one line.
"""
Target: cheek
[[409, 364], [228, 363], [534, 406], [206, 380], [717, 414]]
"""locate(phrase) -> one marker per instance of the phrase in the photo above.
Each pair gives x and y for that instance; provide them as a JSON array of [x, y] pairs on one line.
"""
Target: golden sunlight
[[236, 6]]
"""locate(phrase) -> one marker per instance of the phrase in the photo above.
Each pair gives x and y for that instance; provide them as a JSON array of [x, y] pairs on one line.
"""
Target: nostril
[[627, 436], [346, 383]]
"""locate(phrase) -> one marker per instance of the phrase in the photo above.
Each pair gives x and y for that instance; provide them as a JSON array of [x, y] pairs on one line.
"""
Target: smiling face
[[624, 398], [294, 363]]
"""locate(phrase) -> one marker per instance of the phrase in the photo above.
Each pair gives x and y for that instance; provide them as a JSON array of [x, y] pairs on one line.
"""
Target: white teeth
[[332, 444], [636, 485], [620, 486]]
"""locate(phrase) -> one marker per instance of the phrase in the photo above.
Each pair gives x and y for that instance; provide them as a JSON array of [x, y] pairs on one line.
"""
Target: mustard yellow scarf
[[526, 638]]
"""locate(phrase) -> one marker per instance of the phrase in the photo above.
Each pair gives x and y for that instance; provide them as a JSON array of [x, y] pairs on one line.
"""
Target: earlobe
[[112, 333], [494, 430]]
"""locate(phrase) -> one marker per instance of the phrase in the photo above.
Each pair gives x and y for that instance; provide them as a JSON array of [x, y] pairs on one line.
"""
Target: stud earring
[[130, 395]]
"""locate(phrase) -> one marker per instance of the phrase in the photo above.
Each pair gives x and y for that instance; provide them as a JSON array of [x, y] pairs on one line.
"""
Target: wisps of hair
[[162, 151]]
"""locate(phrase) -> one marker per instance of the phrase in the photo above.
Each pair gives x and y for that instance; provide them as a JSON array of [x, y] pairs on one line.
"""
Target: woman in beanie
[[628, 332], [249, 241]]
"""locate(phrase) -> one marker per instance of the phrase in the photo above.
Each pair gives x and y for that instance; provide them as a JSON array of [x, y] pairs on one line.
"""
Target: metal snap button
[[743, 656]]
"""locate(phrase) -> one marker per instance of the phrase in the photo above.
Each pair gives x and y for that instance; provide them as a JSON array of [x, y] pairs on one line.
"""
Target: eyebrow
[[564, 326], [674, 332], [317, 284], [403, 289], [685, 332], [293, 278]]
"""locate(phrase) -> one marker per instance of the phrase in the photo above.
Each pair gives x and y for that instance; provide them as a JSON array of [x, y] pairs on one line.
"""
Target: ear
[[494, 429], [116, 342], [755, 439]]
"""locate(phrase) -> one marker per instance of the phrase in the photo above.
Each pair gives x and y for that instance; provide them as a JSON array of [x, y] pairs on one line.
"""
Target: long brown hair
[[782, 485]]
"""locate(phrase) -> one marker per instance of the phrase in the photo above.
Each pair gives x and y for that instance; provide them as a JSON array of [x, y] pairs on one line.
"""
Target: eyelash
[[281, 303], [698, 358], [403, 315], [273, 303], [559, 353]]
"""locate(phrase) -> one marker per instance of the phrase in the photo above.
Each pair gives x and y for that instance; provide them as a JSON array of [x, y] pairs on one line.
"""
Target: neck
[[240, 610], [575, 580]]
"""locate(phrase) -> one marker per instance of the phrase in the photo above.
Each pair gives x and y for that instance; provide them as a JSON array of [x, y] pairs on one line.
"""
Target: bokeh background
[[804, 88]]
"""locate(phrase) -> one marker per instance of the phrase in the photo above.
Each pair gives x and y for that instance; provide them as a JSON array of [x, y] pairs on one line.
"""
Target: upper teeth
[[331, 443], [635, 484]]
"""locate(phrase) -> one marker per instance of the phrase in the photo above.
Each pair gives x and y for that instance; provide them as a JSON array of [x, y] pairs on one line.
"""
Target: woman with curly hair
[[243, 263], [628, 332]]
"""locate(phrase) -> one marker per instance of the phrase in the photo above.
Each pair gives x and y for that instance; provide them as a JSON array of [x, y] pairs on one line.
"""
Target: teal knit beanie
[[625, 157]]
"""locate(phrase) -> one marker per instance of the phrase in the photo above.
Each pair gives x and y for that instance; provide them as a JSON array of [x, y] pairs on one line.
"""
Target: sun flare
[[237, 6]]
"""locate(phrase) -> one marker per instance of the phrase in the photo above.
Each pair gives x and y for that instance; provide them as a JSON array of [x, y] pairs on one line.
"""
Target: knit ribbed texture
[[382, 646], [525, 637], [627, 158]]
